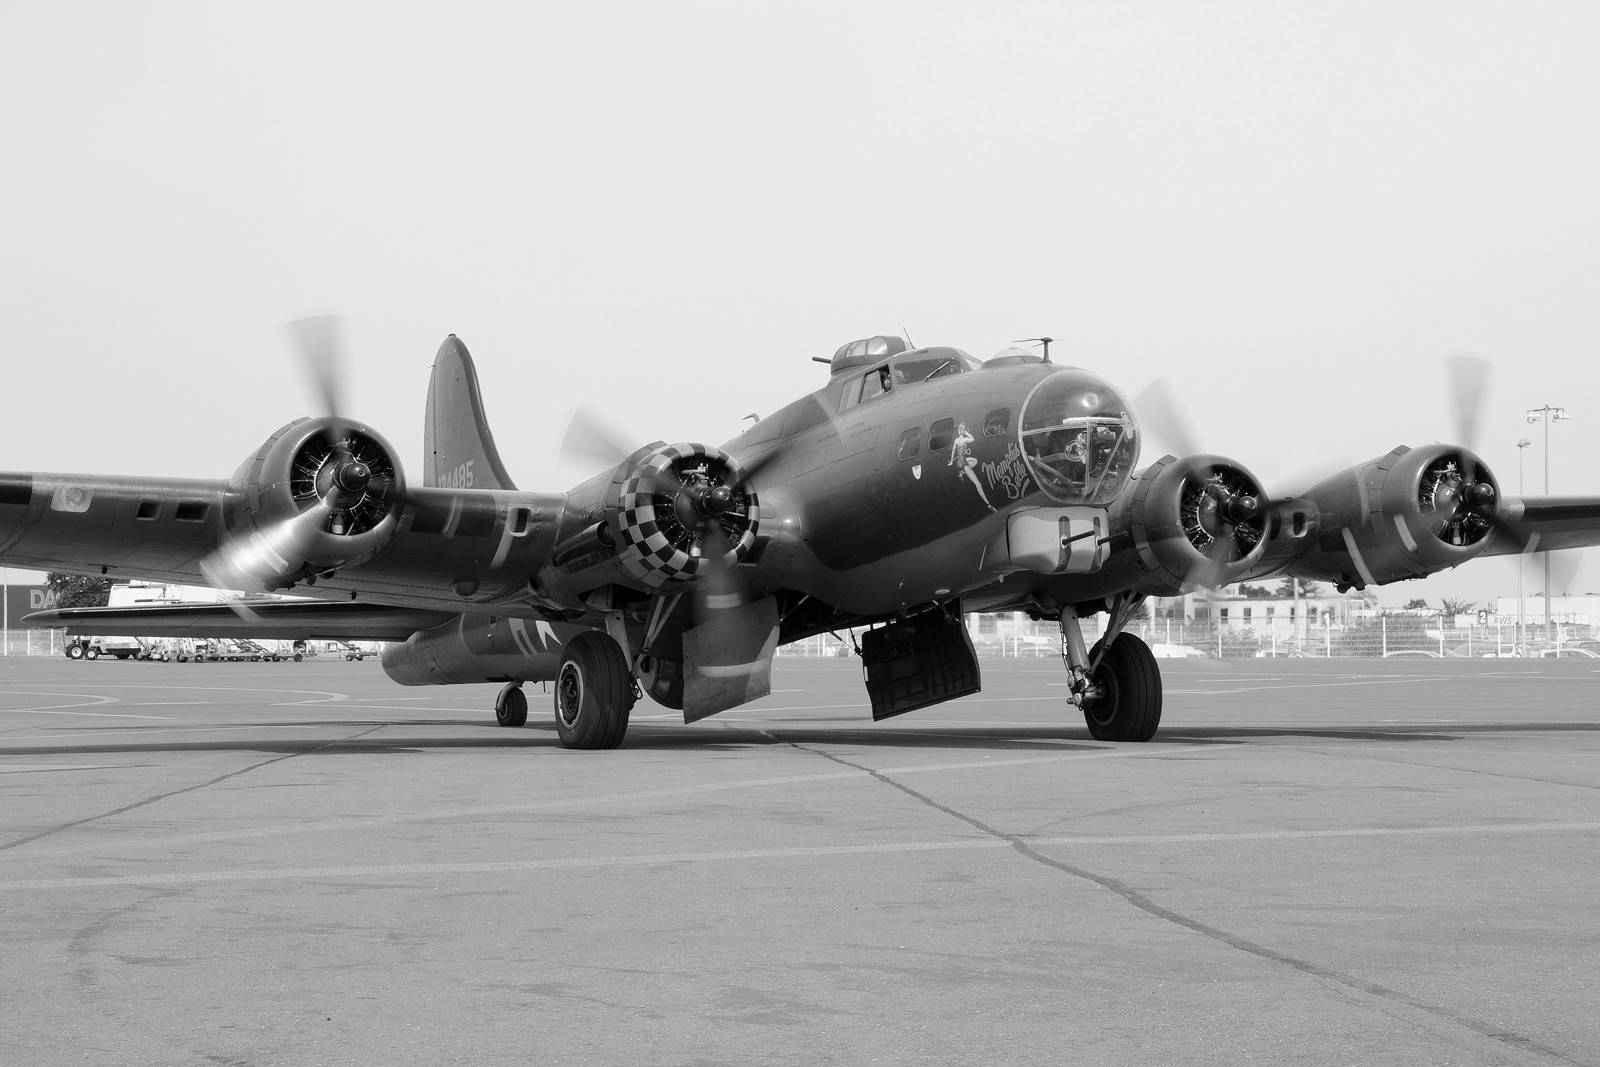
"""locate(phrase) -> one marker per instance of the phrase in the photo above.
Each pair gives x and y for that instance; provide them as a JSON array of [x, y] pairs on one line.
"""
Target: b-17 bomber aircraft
[[917, 484]]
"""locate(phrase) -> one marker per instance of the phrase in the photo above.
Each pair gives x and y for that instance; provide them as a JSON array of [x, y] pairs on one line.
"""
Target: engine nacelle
[[1408, 514], [319, 495], [1196, 522], [678, 506], [480, 648]]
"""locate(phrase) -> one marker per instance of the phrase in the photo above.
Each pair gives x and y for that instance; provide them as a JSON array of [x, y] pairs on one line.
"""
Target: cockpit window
[[926, 364], [1079, 440], [910, 371], [875, 383]]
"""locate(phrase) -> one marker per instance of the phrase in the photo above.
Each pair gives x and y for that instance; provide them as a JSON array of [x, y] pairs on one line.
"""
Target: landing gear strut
[[511, 706], [1117, 683]]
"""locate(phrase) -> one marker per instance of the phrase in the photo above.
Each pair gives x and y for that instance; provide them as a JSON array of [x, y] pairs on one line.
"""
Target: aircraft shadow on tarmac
[[672, 736]]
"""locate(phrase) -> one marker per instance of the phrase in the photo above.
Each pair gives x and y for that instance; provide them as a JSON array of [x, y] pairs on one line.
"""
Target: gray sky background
[[1293, 211]]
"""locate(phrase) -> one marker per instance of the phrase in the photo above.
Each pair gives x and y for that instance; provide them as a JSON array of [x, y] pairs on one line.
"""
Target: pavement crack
[[179, 792], [1494, 1033]]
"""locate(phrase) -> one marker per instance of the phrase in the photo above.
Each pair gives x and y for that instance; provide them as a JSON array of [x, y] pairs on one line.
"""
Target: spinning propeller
[[344, 483], [696, 507], [1221, 510]]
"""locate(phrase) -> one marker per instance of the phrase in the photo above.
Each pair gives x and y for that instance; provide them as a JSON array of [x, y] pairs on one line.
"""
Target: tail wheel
[[511, 707], [1129, 705], [594, 692]]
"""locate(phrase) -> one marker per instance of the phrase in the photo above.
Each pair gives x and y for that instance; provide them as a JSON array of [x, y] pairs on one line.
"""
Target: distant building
[[1574, 610], [1228, 609]]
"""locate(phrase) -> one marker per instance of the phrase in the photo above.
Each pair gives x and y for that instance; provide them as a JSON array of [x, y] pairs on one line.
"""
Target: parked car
[[1162, 651]]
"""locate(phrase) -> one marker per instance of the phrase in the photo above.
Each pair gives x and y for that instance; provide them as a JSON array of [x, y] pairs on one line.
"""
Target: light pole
[[1548, 415], [1522, 564]]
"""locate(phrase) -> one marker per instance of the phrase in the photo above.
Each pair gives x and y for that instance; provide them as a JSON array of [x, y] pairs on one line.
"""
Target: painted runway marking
[[91, 714], [1301, 685], [22, 768], [324, 696], [568, 863], [170, 703]]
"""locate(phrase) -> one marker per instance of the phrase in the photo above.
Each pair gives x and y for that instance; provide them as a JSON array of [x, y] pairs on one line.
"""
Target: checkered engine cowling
[[661, 545]]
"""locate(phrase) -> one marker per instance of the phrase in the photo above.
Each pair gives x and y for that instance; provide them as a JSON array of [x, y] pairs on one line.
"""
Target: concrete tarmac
[[1355, 861]]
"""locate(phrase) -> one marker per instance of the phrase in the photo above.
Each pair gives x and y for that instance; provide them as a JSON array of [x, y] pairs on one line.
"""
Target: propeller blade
[[720, 592], [588, 438], [1563, 569], [1469, 378], [320, 340], [387, 489], [1161, 413], [1304, 470], [1504, 528], [253, 563], [752, 467]]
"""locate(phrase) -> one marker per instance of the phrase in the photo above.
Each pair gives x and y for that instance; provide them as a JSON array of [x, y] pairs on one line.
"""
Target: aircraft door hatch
[[924, 660]]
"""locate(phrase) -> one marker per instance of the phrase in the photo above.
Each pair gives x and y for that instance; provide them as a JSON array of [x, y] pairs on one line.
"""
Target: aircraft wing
[[451, 548], [286, 620], [136, 527], [1549, 524]]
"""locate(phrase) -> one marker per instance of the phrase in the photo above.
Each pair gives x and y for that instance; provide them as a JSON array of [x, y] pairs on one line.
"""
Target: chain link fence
[[1383, 635], [33, 643]]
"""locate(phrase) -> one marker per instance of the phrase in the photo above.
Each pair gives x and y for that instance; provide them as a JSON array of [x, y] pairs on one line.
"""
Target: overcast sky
[[1292, 211]]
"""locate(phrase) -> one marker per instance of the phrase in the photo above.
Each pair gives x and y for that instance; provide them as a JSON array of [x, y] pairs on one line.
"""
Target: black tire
[[91, 653], [594, 692], [74, 651], [298, 656], [511, 707], [662, 679], [1129, 708]]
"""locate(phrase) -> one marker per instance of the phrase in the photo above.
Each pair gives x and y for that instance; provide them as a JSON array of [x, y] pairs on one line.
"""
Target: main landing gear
[[594, 692], [1117, 683]]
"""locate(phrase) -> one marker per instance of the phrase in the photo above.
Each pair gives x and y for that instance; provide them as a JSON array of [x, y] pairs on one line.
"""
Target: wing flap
[[283, 620]]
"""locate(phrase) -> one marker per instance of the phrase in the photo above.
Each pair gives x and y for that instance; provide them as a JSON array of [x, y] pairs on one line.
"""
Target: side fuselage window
[[910, 443], [875, 383], [997, 422], [941, 434]]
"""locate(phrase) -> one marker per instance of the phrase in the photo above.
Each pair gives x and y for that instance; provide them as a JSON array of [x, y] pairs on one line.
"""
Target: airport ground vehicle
[[94, 647]]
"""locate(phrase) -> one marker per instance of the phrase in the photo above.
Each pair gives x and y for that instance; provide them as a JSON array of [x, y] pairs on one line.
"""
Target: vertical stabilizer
[[458, 449]]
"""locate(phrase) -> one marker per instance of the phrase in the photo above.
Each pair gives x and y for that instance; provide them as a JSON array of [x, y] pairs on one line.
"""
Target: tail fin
[[458, 449]]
